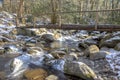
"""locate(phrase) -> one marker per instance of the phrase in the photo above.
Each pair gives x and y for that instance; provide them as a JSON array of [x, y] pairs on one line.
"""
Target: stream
[[61, 53]]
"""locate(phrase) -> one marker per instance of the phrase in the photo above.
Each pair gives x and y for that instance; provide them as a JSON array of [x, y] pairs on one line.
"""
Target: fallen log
[[103, 27]]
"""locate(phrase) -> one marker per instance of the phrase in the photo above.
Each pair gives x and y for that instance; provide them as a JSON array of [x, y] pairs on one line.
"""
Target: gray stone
[[99, 55], [110, 40], [48, 37], [79, 69]]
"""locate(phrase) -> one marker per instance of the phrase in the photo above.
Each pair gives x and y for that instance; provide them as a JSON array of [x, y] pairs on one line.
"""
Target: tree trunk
[[20, 12], [54, 10]]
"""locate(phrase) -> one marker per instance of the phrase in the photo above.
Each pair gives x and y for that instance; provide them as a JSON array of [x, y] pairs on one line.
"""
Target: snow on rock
[[56, 64], [114, 60]]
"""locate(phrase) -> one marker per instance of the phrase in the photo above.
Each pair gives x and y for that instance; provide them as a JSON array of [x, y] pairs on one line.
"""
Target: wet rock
[[47, 37], [99, 55], [93, 49], [58, 54], [79, 69], [52, 77], [35, 74], [117, 47], [111, 40]]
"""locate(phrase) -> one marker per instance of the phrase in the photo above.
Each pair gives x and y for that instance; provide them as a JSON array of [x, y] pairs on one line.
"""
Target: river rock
[[47, 37], [52, 77], [79, 69], [117, 47], [35, 74], [99, 55], [93, 49], [111, 40], [74, 68]]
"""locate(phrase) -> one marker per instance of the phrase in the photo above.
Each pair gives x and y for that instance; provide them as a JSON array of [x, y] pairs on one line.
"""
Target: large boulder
[[73, 68], [91, 50], [110, 40], [79, 69]]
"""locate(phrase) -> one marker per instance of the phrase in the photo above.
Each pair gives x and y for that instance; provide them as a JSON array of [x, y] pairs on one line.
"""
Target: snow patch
[[114, 60]]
